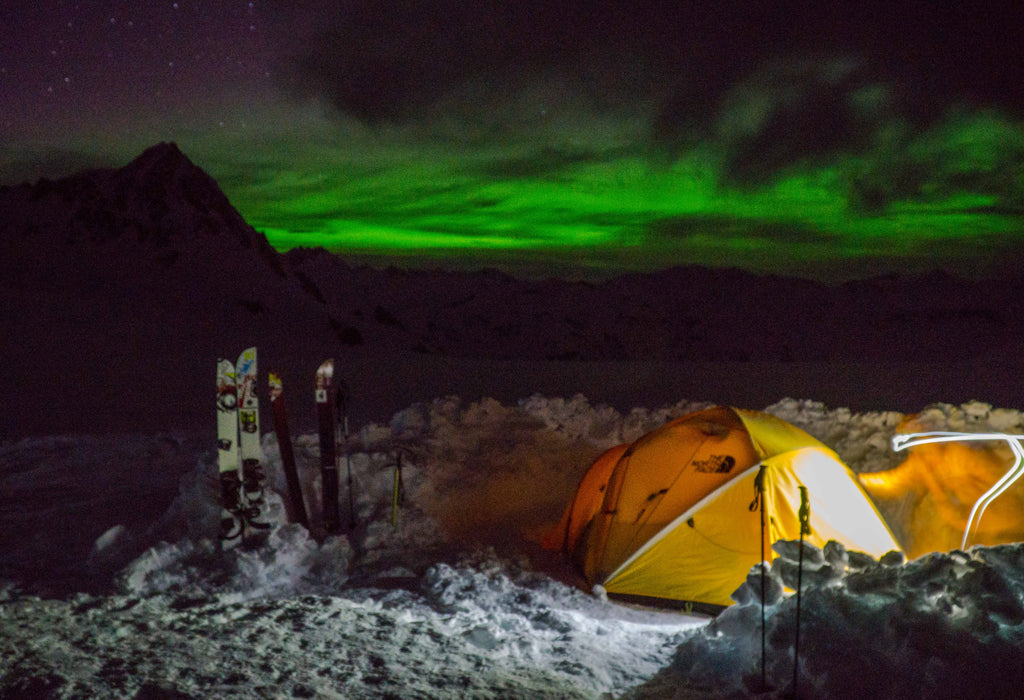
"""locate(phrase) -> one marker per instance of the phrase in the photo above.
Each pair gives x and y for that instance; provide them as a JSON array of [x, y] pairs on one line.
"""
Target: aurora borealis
[[553, 137]]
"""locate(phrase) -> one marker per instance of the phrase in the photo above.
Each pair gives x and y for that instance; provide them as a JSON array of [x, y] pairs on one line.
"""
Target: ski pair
[[239, 455], [330, 403]]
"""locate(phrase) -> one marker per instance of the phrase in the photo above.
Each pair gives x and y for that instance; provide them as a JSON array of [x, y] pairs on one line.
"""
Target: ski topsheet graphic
[[252, 497], [232, 520], [325, 404], [284, 441]]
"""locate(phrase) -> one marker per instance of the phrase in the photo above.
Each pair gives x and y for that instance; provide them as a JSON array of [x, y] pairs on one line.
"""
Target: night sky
[[551, 137]]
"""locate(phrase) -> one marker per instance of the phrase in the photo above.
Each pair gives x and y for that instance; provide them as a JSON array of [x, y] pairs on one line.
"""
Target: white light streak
[[903, 441]]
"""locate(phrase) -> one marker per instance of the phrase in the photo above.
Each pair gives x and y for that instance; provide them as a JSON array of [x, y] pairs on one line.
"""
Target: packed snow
[[114, 585]]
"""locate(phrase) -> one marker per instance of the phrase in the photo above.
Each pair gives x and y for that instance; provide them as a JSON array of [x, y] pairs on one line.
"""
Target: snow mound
[[947, 625]]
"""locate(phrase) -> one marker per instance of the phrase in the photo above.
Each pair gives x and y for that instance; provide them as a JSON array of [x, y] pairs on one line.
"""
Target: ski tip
[[225, 374], [325, 373], [324, 379], [274, 384], [248, 355]]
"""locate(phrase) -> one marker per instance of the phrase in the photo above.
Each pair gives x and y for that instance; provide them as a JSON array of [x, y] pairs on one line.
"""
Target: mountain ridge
[[150, 264]]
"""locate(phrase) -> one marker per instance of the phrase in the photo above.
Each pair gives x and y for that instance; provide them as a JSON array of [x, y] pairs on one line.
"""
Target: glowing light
[[901, 442]]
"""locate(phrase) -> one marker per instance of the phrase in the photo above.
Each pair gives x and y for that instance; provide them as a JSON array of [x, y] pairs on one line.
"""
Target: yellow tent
[[674, 516]]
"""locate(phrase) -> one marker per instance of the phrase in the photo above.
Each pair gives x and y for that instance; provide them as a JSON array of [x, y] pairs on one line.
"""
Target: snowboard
[[232, 523], [324, 393], [251, 454], [284, 441]]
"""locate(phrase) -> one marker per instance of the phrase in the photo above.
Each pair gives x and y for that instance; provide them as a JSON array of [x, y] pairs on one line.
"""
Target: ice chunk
[[789, 573], [836, 555], [790, 550], [859, 561], [750, 590], [893, 558]]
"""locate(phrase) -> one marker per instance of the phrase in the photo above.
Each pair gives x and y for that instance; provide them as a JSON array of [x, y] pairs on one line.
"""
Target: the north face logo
[[716, 464]]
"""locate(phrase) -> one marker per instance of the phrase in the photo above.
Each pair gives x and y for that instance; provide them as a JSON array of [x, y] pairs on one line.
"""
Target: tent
[[675, 518]]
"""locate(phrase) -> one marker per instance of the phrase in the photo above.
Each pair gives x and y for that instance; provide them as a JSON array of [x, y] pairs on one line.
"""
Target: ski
[[253, 502], [284, 441], [325, 400], [342, 403], [232, 523]]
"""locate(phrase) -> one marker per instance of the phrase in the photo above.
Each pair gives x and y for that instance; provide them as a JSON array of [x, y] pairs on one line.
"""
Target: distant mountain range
[[122, 286]]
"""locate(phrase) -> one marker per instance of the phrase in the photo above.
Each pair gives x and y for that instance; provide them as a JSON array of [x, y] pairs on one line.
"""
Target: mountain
[[125, 286], [122, 286]]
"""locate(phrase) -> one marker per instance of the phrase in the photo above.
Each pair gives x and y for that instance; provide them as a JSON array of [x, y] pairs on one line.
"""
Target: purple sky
[[111, 65], [107, 66]]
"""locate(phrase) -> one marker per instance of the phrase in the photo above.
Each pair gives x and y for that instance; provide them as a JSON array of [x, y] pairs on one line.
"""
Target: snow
[[475, 630], [114, 586]]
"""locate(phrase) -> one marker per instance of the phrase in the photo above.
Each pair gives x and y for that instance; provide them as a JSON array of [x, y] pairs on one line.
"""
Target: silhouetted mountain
[[123, 287]]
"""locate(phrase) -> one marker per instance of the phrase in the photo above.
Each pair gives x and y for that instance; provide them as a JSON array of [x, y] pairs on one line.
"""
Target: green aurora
[[950, 197], [612, 212]]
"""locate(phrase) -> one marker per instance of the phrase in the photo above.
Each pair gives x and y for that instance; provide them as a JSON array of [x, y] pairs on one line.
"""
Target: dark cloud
[[890, 95], [387, 66], [388, 63], [763, 87], [799, 110]]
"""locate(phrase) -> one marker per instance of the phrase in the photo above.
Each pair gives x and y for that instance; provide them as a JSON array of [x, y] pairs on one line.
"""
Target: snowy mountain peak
[[162, 155], [167, 192], [161, 198], [167, 182]]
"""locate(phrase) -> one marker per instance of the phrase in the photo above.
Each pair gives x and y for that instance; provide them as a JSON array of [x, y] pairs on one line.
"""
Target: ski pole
[[805, 529], [758, 503], [396, 490]]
